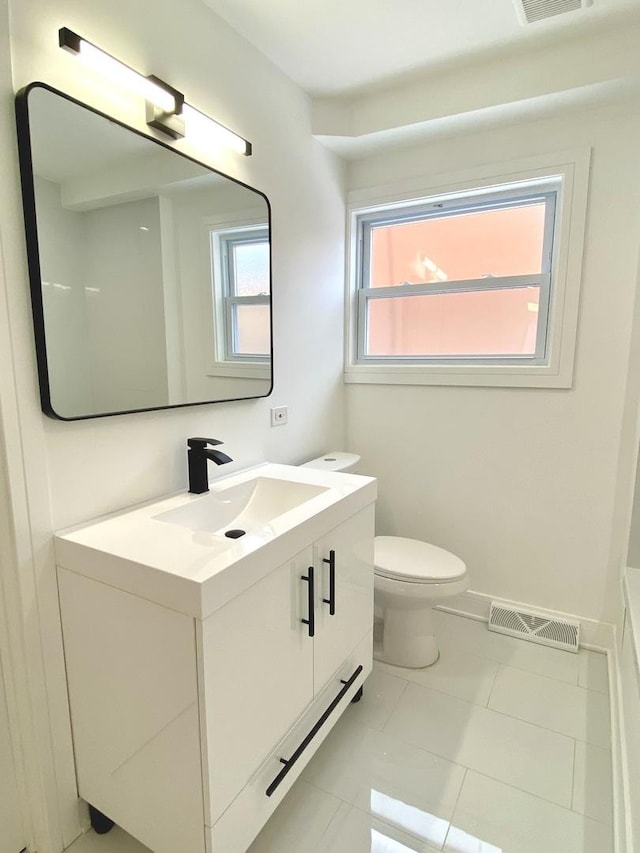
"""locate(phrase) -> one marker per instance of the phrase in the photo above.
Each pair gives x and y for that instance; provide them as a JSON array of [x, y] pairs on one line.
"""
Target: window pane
[[474, 323], [468, 245], [251, 266], [252, 334]]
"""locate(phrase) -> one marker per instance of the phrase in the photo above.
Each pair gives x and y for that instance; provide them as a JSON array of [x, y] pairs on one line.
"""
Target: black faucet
[[197, 456]]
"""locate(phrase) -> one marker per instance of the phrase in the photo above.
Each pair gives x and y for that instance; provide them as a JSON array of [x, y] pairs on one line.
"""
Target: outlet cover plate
[[279, 415]]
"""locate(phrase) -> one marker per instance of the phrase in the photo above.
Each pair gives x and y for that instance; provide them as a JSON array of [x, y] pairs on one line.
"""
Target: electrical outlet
[[279, 415]]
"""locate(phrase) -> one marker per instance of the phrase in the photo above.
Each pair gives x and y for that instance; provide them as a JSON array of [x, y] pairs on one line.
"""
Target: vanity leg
[[357, 696], [100, 823]]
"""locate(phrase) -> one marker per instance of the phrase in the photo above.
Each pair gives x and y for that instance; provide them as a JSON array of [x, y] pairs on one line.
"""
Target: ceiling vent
[[530, 11]]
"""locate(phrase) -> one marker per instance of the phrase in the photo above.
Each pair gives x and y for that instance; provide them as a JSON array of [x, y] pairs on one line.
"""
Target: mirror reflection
[[150, 272]]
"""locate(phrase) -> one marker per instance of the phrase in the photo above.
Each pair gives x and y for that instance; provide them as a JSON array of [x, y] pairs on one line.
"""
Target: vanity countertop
[[196, 571]]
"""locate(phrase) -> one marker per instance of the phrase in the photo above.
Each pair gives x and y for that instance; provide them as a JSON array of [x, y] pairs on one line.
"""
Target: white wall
[[143, 456], [103, 304], [74, 471], [625, 537], [122, 284], [61, 244], [633, 555], [520, 482], [11, 837], [47, 778]]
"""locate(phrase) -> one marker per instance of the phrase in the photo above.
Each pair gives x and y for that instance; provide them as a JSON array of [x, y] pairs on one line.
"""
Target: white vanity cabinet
[[191, 722], [263, 660]]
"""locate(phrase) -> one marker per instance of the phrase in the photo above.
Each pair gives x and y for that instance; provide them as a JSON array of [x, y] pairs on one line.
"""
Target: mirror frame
[[33, 252]]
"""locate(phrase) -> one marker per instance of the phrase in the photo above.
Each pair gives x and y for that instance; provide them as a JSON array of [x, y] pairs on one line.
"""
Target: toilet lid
[[412, 560], [335, 460]]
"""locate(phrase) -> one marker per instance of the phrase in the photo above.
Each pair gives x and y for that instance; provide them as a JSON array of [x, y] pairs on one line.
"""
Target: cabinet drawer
[[241, 822]]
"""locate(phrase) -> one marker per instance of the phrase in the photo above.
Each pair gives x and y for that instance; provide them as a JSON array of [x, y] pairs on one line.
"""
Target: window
[[241, 300], [466, 279], [466, 286], [245, 280]]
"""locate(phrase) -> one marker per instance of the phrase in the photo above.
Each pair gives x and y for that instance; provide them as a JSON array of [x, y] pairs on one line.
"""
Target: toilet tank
[[335, 460]]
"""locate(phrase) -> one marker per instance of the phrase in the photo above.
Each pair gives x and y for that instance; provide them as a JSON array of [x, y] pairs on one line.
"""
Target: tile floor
[[502, 746]]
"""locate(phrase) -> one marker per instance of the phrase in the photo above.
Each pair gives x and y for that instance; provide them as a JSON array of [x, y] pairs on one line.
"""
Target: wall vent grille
[[559, 633], [530, 11]]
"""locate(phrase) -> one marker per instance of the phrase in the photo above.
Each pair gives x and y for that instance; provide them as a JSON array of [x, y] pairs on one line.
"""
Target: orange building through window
[[474, 245]]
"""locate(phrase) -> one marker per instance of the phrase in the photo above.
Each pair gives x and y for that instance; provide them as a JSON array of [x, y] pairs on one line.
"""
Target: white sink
[[242, 508], [174, 550]]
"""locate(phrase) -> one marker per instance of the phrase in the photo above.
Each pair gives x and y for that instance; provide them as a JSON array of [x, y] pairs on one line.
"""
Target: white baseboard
[[595, 635]]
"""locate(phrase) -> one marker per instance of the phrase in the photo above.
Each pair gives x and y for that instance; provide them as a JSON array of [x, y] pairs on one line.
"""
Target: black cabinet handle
[[289, 762], [331, 601], [311, 621]]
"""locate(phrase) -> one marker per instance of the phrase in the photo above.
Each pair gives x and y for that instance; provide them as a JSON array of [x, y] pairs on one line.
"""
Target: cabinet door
[[256, 669], [338, 633]]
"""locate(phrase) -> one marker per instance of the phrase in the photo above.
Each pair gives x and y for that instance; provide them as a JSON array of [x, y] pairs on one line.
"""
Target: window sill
[[506, 376], [233, 370]]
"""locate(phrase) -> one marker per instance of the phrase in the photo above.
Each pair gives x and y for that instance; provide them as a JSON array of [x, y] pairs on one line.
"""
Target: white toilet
[[410, 577]]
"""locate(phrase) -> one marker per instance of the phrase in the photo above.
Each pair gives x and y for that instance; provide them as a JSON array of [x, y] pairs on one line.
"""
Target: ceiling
[[332, 47]]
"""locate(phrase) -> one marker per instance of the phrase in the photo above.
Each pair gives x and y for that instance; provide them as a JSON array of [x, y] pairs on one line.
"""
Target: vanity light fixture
[[204, 129], [166, 109], [152, 89]]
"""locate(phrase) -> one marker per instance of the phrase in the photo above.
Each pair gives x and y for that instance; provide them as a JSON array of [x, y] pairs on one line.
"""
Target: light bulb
[[201, 129], [127, 77]]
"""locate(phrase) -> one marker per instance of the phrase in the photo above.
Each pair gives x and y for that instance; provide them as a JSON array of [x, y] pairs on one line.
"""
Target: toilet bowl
[[410, 577]]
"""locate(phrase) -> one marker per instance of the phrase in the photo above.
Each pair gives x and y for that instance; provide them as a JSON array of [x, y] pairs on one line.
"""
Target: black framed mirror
[[150, 272]]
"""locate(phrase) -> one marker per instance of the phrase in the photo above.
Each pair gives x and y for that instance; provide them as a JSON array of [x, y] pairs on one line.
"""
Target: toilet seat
[[413, 561]]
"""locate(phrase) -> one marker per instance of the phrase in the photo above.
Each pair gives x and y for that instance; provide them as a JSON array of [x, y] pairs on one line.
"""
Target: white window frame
[[567, 173], [218, 362], [226, 241]]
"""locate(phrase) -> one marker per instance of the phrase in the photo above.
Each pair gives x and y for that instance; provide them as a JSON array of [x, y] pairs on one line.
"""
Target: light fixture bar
[[166, 109], [152, 89], [199, 127]]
